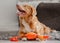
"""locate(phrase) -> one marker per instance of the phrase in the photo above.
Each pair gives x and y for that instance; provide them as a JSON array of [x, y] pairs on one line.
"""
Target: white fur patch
[[26, 25]]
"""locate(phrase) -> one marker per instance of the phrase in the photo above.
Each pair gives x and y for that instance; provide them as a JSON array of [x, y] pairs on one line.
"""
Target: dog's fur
[[29, 22]]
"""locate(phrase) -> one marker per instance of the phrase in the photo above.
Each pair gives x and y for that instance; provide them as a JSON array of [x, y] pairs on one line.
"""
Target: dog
[[29, 21]]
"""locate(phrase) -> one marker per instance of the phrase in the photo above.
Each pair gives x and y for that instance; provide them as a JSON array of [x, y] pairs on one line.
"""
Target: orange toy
[[31, 35], [15, 39], [46, 36]]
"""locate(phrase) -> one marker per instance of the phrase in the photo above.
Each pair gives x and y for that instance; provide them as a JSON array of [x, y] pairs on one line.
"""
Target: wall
[[8, 18]]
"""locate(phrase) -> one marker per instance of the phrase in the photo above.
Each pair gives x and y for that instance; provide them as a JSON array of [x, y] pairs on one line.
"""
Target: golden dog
[[29, 21]]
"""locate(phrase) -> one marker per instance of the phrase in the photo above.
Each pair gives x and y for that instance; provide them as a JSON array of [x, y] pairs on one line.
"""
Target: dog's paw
[[37, 39], [24, 39]]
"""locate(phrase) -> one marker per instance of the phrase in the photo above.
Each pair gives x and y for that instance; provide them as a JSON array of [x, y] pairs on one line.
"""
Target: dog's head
[[26, 10]]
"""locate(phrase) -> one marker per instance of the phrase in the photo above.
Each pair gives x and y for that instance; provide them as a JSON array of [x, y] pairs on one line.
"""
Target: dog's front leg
[[40, 31], [21, 32], [40, 34]]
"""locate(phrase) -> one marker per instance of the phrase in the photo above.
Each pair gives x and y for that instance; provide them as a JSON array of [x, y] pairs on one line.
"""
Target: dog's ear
[[33, 11]]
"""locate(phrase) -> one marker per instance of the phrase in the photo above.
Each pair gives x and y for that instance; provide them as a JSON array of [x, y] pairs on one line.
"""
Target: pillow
[[49, 14]]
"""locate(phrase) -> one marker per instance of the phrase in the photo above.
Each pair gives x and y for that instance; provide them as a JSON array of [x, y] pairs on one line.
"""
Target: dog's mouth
[[21, 11]]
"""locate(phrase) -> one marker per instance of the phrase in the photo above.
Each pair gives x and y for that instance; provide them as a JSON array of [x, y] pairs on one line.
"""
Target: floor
[[49, 41]]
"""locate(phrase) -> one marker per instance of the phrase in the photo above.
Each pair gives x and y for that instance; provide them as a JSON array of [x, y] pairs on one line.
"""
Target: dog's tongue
[[21, 14]]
